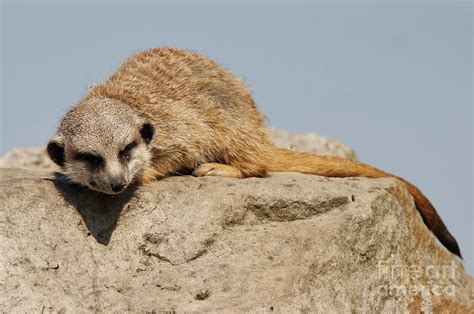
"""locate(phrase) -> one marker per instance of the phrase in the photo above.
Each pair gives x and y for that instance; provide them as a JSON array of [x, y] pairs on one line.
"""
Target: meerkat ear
[[147, 132], [55, 150]]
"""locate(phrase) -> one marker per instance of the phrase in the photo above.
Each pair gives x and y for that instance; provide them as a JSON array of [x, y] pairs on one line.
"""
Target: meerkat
[[172, 111]]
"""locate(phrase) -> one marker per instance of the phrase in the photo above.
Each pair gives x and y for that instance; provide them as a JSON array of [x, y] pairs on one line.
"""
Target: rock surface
[[28, 158], [311, 143], [286, 243], [36, 158]]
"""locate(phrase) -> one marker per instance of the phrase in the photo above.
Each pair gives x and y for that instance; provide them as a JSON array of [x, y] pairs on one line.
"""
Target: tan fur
[[204, 120], [201, 113]]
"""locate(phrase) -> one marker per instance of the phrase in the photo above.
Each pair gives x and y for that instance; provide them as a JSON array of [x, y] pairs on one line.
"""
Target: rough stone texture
[[36, 158], [290, 242], [28, 158], [286, 243], [312, 143]]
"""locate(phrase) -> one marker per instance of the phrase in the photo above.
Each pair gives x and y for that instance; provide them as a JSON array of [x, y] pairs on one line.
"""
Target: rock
[[287, 243], [311, 143], [28, 158], [36, 158]]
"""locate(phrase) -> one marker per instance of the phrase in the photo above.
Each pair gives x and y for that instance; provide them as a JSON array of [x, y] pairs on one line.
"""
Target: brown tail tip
[[436, 225], [433, 221], [450, 243]]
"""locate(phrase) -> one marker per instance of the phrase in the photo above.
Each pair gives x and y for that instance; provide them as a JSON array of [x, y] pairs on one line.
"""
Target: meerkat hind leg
[[218, 170]]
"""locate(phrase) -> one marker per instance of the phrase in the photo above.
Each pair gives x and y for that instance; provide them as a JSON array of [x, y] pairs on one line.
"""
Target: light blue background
[[393, 81]]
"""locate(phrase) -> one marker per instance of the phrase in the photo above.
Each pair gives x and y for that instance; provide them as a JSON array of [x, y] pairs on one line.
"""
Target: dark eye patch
[[91, 159], [125, 153]]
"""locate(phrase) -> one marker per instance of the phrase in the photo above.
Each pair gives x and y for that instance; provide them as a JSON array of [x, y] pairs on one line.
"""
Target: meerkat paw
[[217, 170]]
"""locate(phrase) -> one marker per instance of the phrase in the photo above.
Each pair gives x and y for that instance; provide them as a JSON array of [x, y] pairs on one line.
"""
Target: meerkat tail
[[291, 161]]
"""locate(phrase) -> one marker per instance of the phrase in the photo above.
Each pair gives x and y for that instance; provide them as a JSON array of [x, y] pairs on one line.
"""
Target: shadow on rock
[[100, 212]]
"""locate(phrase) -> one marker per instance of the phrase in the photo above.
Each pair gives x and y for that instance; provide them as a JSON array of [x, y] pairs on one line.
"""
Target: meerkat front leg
[[218, 170]]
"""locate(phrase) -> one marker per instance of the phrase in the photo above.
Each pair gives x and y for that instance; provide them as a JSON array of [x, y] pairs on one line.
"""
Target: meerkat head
[[102, 144]]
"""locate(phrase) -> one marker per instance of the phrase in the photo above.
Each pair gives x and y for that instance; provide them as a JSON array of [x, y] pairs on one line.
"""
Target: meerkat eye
[[125, 153], [93, 160]]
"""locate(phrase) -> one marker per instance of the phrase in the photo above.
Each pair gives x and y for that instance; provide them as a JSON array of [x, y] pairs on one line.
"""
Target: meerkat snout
[[104, 146], [118, 184]]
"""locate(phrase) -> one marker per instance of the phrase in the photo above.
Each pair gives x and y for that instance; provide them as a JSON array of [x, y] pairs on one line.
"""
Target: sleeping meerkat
[[169, 110]]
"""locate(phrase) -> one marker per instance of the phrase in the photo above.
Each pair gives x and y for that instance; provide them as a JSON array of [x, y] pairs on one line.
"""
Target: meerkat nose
[[117, 184]]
